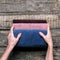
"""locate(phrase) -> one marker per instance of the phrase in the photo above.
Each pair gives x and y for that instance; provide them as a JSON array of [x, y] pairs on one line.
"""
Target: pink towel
[[41, 26]]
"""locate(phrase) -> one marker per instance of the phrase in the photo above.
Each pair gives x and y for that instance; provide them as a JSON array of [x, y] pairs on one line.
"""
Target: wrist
[[10, 47], [50, 46]]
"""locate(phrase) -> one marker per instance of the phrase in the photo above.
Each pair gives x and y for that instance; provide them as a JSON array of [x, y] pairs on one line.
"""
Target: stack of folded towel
[[30, 32]]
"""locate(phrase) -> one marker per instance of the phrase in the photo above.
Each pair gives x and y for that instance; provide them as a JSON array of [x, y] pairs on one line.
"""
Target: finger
[[48, 28], [42, 34], [19, 35], [12, 28]]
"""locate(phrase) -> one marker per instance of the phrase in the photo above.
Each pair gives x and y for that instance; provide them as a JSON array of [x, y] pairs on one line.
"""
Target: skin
[[12, 41], [48, 39]]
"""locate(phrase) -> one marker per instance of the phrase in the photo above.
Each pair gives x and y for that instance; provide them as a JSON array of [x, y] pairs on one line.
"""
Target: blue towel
[[30, 38]]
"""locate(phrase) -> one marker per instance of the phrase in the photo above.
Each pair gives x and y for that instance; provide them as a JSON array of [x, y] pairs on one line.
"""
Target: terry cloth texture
[[30, 33]]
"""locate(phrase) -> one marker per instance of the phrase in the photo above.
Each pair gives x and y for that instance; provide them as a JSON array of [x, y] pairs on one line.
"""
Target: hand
[[12, 41], [48, 37]]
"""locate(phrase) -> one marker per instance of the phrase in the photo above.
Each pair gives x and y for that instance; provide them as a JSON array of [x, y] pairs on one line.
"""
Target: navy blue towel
[[30, 38]]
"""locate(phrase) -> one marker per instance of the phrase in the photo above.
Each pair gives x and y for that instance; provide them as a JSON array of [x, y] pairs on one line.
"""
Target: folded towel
[[30, 32], [30, 38], [41, 26]]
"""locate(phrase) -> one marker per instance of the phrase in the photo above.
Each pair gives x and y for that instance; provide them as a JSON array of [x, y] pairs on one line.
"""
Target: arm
[[48, 39], [49, 55], [12, 41]]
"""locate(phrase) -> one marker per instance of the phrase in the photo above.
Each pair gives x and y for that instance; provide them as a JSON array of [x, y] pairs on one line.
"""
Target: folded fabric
[[29, 26], [30, 38], [30, 33]]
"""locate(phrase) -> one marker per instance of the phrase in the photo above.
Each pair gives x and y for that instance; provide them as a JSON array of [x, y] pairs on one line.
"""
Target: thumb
[[19, 35], [41, 34]]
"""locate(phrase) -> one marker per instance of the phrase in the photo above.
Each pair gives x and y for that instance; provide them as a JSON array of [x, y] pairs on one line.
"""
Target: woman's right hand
[[48, 37]]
